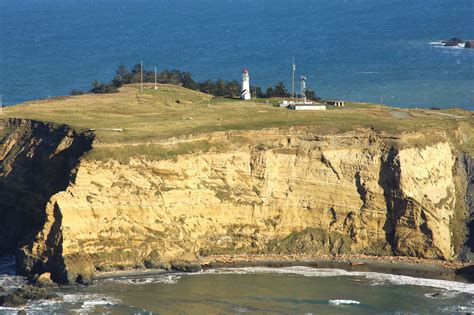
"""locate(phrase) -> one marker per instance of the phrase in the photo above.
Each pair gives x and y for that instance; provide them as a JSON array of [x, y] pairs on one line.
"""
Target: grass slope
[[172, 111]]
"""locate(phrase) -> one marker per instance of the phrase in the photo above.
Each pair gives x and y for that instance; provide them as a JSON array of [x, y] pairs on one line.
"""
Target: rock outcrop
[[469, 44], [454, 41], [278, 191]]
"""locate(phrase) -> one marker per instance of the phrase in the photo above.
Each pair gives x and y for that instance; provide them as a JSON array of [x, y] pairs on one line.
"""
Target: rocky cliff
[[278, 191]]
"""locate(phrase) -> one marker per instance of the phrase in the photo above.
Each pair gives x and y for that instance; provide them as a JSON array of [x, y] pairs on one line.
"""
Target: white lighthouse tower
[[245, 92]]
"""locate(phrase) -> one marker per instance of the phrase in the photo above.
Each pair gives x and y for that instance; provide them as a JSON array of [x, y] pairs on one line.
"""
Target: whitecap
[[165, 279], [436, 43], [375, 277], [457, 309], [343, 302]]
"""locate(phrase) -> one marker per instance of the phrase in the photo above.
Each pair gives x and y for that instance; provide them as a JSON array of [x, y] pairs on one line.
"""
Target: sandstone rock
[[44, 280], [280, 192]]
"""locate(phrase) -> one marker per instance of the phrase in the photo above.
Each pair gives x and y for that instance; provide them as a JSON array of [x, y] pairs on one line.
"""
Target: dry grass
[[172, 111]]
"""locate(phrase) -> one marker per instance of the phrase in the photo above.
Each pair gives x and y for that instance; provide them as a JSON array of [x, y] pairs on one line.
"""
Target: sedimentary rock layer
[[279, 191]]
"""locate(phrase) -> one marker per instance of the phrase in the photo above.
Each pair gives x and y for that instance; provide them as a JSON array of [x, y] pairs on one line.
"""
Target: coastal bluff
[[276, 190]]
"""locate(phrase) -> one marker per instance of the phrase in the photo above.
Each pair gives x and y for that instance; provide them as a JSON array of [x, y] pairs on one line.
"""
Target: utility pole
[[141, 75], [155, 79], [293, 80]]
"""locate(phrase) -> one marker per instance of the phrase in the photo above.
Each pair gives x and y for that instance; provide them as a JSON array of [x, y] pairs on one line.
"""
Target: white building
[[303, 106], [245, 92]]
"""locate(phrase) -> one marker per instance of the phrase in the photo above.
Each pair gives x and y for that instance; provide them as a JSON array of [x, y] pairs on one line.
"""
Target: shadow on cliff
[[38, 161], [389, 180]]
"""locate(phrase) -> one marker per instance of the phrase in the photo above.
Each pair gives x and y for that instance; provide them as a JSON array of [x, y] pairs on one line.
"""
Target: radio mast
[[293, 80]]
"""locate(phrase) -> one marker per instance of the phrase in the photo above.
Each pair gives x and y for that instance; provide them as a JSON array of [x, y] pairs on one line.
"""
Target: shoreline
[[398, 265]]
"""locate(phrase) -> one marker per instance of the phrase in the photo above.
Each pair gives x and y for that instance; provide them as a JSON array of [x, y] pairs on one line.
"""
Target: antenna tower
[[293, 80], [141, 75]]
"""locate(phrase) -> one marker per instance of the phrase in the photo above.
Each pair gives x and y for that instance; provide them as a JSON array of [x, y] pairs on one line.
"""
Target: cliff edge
[[269, 191]]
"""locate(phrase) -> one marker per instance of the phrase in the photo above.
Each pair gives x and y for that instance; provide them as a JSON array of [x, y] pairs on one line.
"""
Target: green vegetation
[[154, 120], [230, 89]]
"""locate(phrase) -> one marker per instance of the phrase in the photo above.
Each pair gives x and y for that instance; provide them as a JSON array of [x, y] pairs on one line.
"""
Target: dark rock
[[453, 41], [186, 267], [44, 281], [21, 312], [83, 279], [2, 289], [27, 293], [13, 300], [467, 272], [469, 44]]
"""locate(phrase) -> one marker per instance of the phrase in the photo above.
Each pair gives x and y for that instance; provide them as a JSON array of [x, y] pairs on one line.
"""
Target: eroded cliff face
[[276, 191], [37, 160]]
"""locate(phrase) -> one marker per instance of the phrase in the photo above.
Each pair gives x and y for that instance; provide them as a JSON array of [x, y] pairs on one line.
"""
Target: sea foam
[[343, 302], [375, 277]]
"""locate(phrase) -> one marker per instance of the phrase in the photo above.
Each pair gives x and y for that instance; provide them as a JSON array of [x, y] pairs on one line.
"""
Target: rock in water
[[455, 41], [44, 280], [20, 297], [469, 44]]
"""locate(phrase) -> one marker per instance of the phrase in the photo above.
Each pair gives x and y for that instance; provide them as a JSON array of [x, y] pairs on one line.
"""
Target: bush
[[76, 92], [103, 88]]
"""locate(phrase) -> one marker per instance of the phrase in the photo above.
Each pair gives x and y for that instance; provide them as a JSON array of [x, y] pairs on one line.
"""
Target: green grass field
[[171, 111]]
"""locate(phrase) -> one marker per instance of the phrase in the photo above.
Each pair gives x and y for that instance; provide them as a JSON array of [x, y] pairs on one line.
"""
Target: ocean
[[258, 290], [384, 51]]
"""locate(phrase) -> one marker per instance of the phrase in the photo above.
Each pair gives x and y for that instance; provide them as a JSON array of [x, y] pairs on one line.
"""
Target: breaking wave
[[343, 302], [375, 277], [139, 280]]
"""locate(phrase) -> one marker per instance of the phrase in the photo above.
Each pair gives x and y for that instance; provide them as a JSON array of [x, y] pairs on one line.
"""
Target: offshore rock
[[454, 41], [469, 44]]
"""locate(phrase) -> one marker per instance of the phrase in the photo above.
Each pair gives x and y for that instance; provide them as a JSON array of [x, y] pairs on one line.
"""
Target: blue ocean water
[[361, 50]]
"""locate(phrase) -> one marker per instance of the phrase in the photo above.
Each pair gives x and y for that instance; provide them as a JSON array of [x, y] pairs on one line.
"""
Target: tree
[[311, 95], [256, 90], [187, 81], [122, 76], [103, 88], [206, 87], [269, 93], [233, 89], [135, 76], [220, 88], [280, 90]]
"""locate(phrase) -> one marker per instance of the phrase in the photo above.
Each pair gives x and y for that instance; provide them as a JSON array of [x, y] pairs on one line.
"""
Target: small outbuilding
[[302, 105], [336, 103], [305, 106]]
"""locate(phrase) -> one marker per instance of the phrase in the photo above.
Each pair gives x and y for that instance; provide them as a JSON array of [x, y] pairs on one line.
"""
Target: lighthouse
[[245, 92]]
